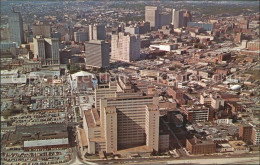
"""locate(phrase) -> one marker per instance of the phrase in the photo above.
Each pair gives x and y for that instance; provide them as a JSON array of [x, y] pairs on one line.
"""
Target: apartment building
[[125, 47], [197, 113]]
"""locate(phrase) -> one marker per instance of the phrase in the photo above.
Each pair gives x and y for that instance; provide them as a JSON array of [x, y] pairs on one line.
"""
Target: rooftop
[[48, 142]]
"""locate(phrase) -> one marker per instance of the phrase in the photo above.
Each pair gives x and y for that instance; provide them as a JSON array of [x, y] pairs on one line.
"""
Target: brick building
[[245, 132], [198, 146]]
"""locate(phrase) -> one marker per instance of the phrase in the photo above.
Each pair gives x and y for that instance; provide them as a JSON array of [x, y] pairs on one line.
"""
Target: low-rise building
[[198, 146]]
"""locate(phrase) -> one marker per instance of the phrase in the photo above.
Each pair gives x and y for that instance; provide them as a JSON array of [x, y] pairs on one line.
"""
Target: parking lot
[[51, 156], [38, 118]]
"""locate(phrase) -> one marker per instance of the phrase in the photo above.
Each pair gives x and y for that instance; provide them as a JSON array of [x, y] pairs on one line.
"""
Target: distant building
[[205, 26], [125, 47], [256, 135], [177, 18], [144, 27], [253, 45], [152, 16], [80, 36], [97, 53], [97, 32], [43, 30], [186, 18], [15, 22], [165, 19], [197, 113], [245, 132], [46, 50], [132, 29], [224, 57], [8, 48]]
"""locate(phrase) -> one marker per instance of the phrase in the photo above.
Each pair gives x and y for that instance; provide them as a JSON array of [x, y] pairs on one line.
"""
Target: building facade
[[41, 30], [15, 22], [97, 32], [125, 120], [177, 18], [152, 16], [46, 50], [125, 47], [97, 53]]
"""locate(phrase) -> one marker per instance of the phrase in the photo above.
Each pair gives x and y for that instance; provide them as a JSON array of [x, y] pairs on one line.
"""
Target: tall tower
[[97, 32], [152, 16], [15, 22], [97, 53], [177, 18], [47, 50], [186, 18], [125, 47], [41, 30]]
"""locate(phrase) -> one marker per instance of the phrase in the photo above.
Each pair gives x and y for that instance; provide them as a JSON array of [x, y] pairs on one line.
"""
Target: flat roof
[[47, 142], [83, 137], [89, 119]]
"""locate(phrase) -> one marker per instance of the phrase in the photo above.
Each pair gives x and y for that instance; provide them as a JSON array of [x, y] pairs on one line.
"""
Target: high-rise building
[[127, 120], [165, 19], [152, 16], [144, 27], [97, 53], [80, 36], [125, 47], [245, 132], [43, 30], [132, 29], [104, 91], [186, 18], [46, 50], [97, 32], [15, 22], [177, 18]]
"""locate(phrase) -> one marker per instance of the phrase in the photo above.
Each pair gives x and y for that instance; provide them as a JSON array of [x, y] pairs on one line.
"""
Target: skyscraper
[[43, 30], [15, 22], [125, 47], [80, 36], [186, 18], [177, 18], [126, 120], [46, 50], [152, 16], [97, 32], [97, 53]]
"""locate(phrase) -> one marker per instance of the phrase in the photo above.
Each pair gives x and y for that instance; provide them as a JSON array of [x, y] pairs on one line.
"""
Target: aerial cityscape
[[130, 82]]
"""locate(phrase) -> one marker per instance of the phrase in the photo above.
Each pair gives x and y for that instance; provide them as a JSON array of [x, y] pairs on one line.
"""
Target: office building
[[15, 22], [46, 50], [97, 32], [152, 16], [132, 29], [245, 132], [97, 53], [197, 113], [80, 36], [165, 19], [125, 47], [104, 91], [126, 120], [144, 27], [186, 18], [256, 135], [177, 18], [43, 30]]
